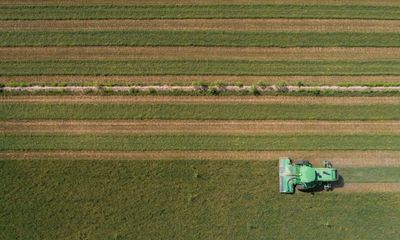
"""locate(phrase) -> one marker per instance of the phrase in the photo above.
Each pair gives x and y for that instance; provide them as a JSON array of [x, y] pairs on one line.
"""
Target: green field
[[195, 142], [62, 178], [193, 67], [26, 111], [193, 11], [178, 199], [199, 38]]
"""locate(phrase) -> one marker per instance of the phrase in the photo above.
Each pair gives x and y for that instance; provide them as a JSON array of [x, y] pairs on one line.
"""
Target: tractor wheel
[[327, 187], [299, 187], [302, 162]]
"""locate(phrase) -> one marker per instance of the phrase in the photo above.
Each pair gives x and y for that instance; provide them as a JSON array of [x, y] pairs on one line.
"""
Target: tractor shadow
[[338, 184]]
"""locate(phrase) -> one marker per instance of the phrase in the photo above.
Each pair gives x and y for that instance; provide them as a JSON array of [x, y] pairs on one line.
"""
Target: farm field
[[157, 162]]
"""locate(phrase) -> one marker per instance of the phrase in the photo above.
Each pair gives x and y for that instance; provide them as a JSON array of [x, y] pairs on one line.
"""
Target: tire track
[[202, 127]]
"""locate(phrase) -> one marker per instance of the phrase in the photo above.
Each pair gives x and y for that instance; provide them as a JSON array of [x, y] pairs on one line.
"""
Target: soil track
[[202, 127], [202, 53], [202, 99], [338, 158], [312, 25], [313, 80], [197, 2]]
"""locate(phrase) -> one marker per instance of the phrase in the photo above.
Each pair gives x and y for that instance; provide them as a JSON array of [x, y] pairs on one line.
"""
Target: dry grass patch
[[369, 187]]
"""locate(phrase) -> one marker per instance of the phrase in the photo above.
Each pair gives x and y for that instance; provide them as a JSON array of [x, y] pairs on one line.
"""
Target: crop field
[[155, 162]]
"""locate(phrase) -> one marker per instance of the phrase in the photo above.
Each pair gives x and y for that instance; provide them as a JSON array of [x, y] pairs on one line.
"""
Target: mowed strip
[[202, 127], [201, 53], [308, 25], [291, 100], [351, 158], [189, 80], [368, 187]]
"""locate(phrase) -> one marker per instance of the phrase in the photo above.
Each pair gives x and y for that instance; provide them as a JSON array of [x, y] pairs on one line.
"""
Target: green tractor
[[303, 176]]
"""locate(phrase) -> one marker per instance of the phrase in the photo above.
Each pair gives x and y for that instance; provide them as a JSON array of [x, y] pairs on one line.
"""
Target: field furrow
[[307, 25], [200, 53], [202, 127]]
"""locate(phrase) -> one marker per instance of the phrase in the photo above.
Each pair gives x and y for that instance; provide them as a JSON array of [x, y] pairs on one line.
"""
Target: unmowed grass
[[27, 111], [199, 38], [199, 11], [178, 200], [38, 142], [200, 67], [371, 175]]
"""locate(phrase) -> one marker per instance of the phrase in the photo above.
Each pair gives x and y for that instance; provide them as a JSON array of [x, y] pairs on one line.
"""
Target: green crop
[[198, 11], [198, 142], [199, 38], [28, 111], [193, 67], [178, 200]]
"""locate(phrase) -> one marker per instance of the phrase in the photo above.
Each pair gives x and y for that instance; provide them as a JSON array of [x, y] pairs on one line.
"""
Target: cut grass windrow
[[196, 111], [20, 142], [159, 200], [189, 80], [200, 67], [202, 127], [199, 11], [199, 38], [197, 53], [342, 159], [303, 25]]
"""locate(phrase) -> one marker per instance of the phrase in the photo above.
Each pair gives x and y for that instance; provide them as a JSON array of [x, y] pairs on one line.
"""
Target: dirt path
[[202, 127], [198, 2], [338, 158], [313, 25], [202, 99], [368, 187], [318, 80], [201, 53]]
